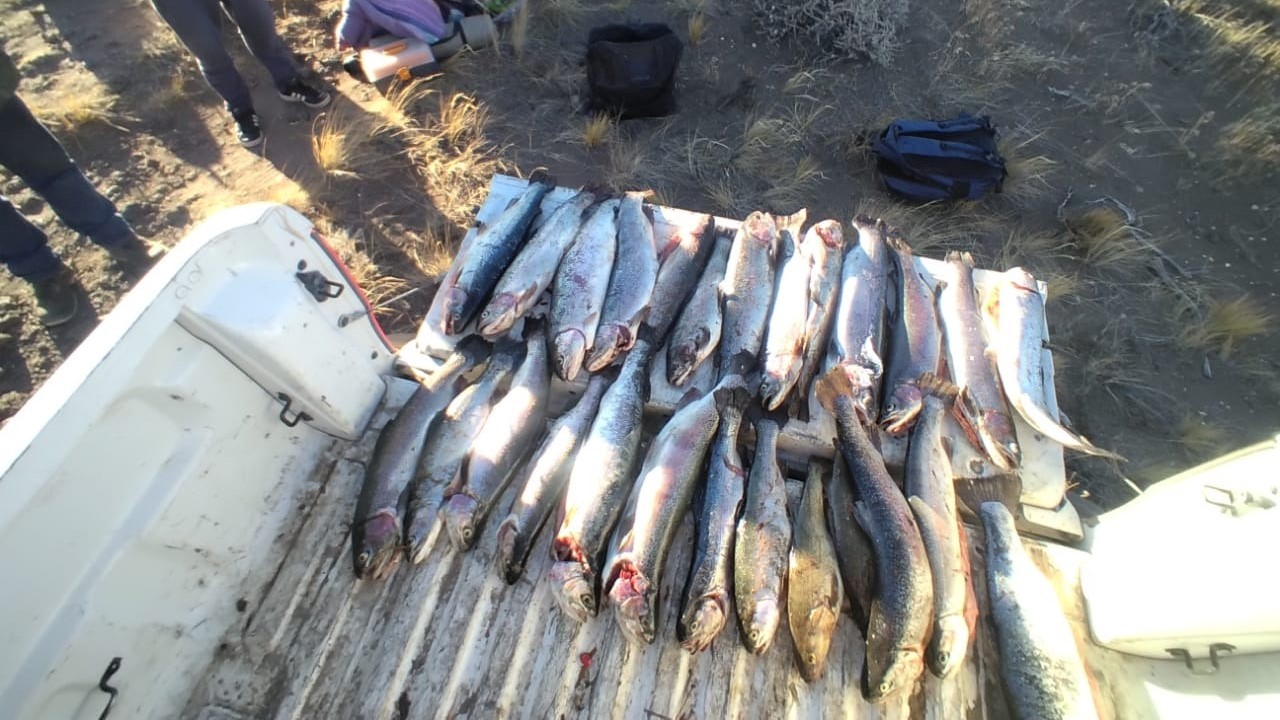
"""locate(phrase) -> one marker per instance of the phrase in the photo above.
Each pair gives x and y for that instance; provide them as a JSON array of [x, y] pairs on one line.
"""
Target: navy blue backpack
[[940, 159]]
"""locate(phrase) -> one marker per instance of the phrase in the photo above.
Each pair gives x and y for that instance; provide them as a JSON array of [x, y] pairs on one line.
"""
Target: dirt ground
[[1143, 143]]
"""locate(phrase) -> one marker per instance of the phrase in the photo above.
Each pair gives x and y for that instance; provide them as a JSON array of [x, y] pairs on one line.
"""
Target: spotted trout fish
[[635, 270], [1015, 310], [902, 609], [824, 244], [931, 495], [915, 343], [375, 532], [533, 269], [501, 444], [858, 338], [706, 592], [814, 592], [980, 406], [488, 256], [1040, 664], [784, 342], [854, 553], [761, 543], [684, 252], [545, 478], [664, 490], [697, 333], [598, 486], [579, 289], [448, 442], [747, 290]]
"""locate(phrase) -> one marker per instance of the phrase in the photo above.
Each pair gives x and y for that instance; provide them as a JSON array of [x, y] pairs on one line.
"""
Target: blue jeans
[[29, 151]]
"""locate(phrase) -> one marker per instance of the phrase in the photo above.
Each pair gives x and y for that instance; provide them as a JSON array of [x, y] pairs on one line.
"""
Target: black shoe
[[133, 257], [56, 299], [248, 131], [298, 91]]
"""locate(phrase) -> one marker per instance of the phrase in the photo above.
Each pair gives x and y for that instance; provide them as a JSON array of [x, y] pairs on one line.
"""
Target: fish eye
[[693, 626], [363, 559], [585, 599], [886, 687]]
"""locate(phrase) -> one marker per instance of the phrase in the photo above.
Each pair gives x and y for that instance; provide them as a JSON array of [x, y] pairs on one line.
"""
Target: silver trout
[[598, 486], [635, 270], [901, 612], [706, 593], [664, 490], [491, 251], [578, 293], [547, 473], [1040, 664], [747, 290], [1015, 309], [824, 244], [854, 553], [684, 254], [501, 444], [814, 593], [375, 532], [697, 332], [858, 339], [930, 493], [784, 338], [980, 406], [447, 443], [761, 543], [531, 272], [915, 342]]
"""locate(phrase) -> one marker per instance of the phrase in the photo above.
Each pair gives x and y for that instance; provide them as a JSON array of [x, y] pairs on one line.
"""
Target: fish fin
[[929, 521], [741, 364], [541, 177], [939, 387], [864, 519], [647, 209], [534, 326], [1005, 489], [833, 384]]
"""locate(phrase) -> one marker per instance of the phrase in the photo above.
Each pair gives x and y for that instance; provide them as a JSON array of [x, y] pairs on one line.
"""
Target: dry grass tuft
[[1197, 437], [340, 144], [1105, 239], [794, 188], [597, 130], [77, 106], [1250, 146], [169, 94], [1062, 286], [454, 157], [1224, 324], [1248, 47], [1024, 245], [932, 227], [630, 166], [841, 28], [398, 106], [1028, 181], [359, 257], [697, 27]]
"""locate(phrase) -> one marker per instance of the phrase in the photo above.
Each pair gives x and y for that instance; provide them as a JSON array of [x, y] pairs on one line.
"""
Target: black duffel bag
[[631, 70]]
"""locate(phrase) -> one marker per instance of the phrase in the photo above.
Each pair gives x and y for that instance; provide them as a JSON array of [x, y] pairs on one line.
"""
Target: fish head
[[999, 440], [813, 648], [377, 545], [459, 515], [763, 624], [680, 363], [702, 621], [902, 408], [632, 598], [830, 233], [454, 309], [900, 673], [574, 589], [568, 351], [610, 341], [498, 316], [510, 566], [948, 645]]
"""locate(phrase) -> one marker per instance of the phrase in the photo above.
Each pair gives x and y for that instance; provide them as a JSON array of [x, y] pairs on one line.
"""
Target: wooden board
[[1045, 509], [449, 639]]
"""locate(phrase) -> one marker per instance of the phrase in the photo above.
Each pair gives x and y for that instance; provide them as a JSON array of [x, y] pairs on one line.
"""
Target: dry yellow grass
[[1224, 324], [397, 107], [1248, 47], [928, 227], [1062, 286], [697, 27], [76, 106], [1250, 146], [761, 138], [597, 130], [1023, 244], [1197, 437], [454, 157], [340, 144], [1028, 180], [794, 185], [1105, 240]]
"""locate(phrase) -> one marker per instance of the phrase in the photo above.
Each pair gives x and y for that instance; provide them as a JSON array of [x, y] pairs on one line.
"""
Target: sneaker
[[133, 257], [248, 131], [56, 299], [298, 91]]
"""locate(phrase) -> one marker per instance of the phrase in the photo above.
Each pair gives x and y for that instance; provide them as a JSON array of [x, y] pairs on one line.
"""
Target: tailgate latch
[[320, 287]]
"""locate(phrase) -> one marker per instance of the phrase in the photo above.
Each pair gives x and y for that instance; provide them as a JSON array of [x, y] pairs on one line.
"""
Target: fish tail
[[831, 386], [541, 176], [1003, 489], [939, 387], [1043, 423], [733, 395]]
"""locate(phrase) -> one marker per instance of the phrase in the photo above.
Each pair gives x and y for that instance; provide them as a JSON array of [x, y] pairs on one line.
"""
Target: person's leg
[[198, 24], [24, 247], [258, 28], [33, 154]]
